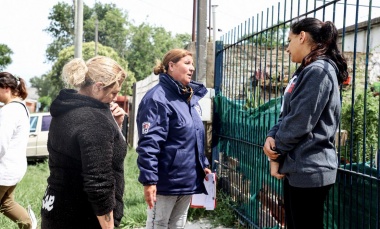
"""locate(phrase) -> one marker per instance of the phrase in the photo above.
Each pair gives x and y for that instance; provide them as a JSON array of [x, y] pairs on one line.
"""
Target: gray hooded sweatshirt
[[305, 132]]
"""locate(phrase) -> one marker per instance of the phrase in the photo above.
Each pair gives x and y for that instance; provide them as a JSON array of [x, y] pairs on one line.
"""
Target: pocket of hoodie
[[289, 165]]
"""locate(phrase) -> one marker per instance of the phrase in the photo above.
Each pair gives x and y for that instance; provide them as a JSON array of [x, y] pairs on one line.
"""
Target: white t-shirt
[[14, 135]]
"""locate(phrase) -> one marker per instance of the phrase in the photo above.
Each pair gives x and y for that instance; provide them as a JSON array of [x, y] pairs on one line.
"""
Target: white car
[[39, 129]]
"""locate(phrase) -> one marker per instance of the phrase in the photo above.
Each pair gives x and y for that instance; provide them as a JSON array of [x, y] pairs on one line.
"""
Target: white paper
[[203, 200]]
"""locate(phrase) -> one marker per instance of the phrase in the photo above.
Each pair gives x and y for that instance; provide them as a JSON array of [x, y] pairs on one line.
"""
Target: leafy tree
[[61, 28], [42, 84], [5, 56], [45, 102], [112, 29], [147, 44], [88, 52], [268, 38], [139, 45]]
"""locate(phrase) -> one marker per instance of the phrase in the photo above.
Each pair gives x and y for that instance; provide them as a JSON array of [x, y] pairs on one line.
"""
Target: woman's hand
[[118, 113], [269, 148], [150, 195], [274, 167], [207, 171], [106, 221]]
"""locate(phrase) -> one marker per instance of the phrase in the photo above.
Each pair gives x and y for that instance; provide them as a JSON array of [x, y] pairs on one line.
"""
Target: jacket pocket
[[172, 163], [289, 165]]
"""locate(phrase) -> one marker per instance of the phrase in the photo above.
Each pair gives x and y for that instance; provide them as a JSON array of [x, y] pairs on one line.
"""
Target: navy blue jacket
[[171, 139]]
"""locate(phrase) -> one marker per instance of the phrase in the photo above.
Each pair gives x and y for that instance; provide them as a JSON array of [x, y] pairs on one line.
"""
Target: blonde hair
[[174, 56], [97, 69]]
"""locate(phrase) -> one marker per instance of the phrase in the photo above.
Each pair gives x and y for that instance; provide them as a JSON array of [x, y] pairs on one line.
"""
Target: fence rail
[[251, 70]]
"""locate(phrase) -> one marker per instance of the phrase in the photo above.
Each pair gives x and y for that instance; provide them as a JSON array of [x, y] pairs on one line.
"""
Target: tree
[[112, 29], [61, 28], [49, 85], [147, 44], [139, 45], [42, 84], [5, 56], [271, 38]]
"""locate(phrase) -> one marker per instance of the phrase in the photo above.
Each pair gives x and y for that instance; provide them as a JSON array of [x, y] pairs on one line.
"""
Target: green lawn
[[32, 187]]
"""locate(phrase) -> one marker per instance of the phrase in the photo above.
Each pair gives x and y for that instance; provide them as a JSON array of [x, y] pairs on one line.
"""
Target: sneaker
[[32, 217]]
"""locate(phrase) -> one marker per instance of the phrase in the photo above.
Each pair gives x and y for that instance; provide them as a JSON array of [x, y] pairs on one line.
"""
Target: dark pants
[[304, 206]]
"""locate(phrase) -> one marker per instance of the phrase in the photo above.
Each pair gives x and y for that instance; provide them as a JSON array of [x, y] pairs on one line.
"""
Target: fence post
[[218, 73]]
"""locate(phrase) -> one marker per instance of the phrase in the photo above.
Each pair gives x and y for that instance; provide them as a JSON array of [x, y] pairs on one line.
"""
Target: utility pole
[[209, 21], [78, 28], [201, 49], [96, 36], [214, 26], [194, 20]]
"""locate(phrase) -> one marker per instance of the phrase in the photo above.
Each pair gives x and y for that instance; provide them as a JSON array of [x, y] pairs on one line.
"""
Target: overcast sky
[[22, 23]]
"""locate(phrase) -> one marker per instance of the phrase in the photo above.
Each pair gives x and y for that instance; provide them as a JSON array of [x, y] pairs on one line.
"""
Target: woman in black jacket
[[86, 149]]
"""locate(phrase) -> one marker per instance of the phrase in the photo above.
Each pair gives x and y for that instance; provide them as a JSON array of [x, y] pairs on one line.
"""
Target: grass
[[32, 188]]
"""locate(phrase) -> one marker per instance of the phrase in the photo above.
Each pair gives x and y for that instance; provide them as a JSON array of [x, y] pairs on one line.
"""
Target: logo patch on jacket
[[145, 127], [289, 88]]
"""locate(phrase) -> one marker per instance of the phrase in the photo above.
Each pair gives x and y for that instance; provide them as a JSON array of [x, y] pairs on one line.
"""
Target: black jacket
[[86, 156]]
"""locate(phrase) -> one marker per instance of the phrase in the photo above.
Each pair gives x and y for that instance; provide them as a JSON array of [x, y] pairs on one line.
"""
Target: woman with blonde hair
[[86, 149], [171, 157]]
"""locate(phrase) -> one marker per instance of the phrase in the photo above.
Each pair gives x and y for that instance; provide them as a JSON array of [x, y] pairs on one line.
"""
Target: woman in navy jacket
[[171, 157]]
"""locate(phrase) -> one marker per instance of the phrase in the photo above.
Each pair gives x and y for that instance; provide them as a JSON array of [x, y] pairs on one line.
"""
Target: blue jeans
[[168, 212]]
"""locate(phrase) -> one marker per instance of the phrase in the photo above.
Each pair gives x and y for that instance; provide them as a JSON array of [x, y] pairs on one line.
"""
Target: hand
[[118, 113], [269, 148], [274, 167], [207, 171], [150, 195], [106, 221]]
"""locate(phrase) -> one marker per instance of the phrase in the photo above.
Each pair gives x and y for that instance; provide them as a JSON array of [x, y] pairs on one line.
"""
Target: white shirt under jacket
[[14, 134]]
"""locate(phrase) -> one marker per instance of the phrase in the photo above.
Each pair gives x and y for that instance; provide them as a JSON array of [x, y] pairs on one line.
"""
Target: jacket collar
[[199, 89]]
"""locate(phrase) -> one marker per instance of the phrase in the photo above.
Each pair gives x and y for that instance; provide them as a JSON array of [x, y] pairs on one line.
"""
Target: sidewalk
[[202, 224], [199, 224]]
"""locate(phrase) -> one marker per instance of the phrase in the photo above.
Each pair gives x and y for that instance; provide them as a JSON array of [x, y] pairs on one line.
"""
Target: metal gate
[[251, 70]]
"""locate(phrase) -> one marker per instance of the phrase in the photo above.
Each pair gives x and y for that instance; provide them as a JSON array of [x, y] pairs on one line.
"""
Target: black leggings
[[304, 206]]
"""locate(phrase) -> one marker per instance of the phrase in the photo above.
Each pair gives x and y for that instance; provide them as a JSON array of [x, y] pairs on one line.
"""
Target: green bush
[[365, 114], [223, 214]]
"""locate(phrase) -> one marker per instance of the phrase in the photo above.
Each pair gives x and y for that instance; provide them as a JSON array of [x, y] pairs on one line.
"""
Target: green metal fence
[[251, 71]]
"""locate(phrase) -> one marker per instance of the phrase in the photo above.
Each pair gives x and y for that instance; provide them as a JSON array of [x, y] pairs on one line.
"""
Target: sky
[[22, 23]]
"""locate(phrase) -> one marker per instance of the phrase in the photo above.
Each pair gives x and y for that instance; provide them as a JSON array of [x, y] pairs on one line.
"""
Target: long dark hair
[[324, 37], [15, 83]]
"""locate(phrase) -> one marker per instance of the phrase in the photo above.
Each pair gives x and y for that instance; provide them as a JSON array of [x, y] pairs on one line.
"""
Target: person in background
[[170, 149], [14, 135], [86, 149], [301, 144]]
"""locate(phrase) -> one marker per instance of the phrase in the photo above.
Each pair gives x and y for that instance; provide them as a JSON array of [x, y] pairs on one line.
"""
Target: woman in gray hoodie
[[301, 145]]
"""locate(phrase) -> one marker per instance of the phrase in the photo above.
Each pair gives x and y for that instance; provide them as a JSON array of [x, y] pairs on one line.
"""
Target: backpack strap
[[23, 106]]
